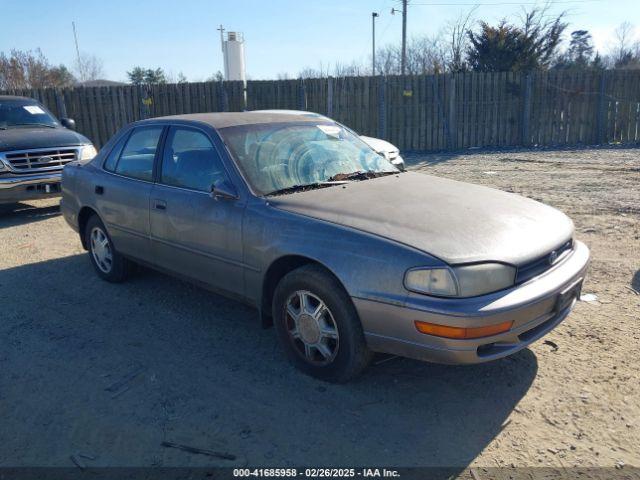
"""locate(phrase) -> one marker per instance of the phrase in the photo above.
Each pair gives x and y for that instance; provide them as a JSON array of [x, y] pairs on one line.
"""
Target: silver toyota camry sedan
[[342, 252]]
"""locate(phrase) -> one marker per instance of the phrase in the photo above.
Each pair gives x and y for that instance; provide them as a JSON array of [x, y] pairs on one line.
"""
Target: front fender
[[368, 266]]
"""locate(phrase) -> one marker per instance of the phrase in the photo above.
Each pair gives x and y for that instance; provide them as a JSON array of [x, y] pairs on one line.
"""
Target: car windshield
[[285, 157], [20, 113]]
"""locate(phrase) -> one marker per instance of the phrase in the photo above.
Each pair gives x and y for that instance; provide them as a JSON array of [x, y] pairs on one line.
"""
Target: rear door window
[[136, 160]]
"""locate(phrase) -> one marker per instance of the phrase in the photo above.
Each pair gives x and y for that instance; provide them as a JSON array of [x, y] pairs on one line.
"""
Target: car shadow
[[15, 214], [635, 281], [113, 370]]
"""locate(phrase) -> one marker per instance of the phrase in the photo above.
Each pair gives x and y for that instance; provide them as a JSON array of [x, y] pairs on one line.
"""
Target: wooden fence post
[[330, 97], [600, 121], [451, 117], [223, 104], [526, 110], [382, 117], [302, 95], [62, 108]]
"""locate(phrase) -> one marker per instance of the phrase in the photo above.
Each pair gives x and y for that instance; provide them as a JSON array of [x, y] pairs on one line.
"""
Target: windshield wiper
[[337, 179], [359, 175], [302, 188]]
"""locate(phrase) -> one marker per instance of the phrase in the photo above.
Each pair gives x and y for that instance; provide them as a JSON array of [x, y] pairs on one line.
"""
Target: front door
[[193, 233]]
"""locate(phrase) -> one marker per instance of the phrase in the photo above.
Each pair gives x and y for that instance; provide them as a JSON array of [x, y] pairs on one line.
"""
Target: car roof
[[232, 119]]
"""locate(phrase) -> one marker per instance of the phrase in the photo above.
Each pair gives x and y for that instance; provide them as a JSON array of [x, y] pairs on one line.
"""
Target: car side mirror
[[69, 123], [222, 189]]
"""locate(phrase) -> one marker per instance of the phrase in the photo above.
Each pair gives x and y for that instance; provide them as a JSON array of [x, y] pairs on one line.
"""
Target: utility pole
[[403, 56], [374, 15], [404, 36], [75, 38]]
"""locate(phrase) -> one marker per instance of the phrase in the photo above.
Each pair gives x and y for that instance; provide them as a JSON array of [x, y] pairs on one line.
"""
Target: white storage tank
[[233, 50]]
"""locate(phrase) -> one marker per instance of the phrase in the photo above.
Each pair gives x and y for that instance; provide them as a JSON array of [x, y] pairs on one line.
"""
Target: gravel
[[113, 371]]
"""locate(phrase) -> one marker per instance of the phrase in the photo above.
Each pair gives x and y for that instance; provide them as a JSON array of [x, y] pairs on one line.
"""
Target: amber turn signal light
[[461, 333]]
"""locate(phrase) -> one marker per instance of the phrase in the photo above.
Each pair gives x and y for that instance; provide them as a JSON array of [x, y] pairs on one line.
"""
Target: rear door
[[193, 233], [123, 189]]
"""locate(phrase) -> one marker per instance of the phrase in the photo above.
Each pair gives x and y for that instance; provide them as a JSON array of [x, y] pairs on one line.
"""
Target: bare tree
[[89, 67], [171, 77], [426, 55], [388, 59], [353, 69], [458, 41], [625, 52], [311, 72], [31, 69], [623, 35]]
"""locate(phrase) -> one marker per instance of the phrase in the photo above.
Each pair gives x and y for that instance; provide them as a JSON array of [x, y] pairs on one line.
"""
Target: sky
[[281, 36]]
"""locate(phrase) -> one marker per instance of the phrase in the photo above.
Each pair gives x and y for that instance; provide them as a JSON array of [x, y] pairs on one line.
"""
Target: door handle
[[160, 204], [99, 189]]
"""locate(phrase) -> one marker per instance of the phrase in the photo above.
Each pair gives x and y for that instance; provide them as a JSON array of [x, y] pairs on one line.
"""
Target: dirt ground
[[106, 373]]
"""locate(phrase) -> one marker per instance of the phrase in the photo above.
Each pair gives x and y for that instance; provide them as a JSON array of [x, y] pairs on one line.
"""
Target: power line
[[448, 4], [384, 30]]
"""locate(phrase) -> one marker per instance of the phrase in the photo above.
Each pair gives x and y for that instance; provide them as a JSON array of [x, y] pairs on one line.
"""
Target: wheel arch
[[278, 268], [84, 215]]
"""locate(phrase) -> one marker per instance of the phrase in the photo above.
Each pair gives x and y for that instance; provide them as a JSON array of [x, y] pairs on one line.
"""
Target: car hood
[[378, 144], [454, 221], [41, 137]]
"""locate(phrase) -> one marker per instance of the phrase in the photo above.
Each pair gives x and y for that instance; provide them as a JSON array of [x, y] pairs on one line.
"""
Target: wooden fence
[[422, 113]]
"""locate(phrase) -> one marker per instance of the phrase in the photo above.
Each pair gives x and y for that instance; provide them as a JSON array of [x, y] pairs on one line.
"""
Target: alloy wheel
[[311, 327], [101, 250]]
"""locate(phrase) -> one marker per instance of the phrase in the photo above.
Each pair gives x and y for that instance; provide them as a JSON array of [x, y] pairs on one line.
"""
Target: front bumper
[[532, 306], [16, 188]]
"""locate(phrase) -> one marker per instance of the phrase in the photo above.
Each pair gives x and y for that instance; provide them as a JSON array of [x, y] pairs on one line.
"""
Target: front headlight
[[87, 152], [463, 281], [484, 278], [432, 281]]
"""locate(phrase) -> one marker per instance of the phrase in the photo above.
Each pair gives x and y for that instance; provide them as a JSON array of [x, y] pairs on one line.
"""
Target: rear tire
[[108, 263], [318, 326]]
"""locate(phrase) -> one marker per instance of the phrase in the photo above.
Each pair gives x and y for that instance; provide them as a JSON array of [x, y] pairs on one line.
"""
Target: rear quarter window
[[136, 159], [114, 155]]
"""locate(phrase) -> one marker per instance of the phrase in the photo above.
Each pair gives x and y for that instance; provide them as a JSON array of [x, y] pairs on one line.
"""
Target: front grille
[[542, 264], [33, 161]]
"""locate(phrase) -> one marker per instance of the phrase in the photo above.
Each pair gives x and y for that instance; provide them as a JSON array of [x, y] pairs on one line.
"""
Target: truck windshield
[[21, 113], [285, 157]]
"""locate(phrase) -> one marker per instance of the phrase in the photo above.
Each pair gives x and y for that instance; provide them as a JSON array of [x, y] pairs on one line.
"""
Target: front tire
[[318, 326], [109, 264]]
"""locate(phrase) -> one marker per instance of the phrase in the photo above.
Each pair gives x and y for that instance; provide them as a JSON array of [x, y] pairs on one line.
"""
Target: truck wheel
[[109, 264], [318, 326]]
